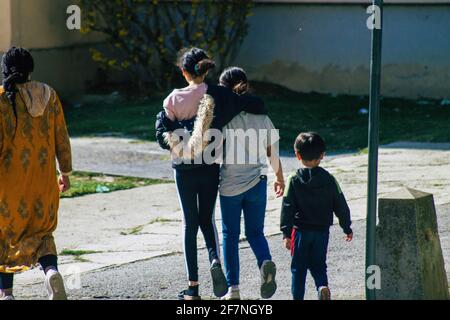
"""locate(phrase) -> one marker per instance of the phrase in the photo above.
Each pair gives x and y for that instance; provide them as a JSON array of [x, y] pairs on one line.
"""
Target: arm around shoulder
[[229, 104], [252, 104]]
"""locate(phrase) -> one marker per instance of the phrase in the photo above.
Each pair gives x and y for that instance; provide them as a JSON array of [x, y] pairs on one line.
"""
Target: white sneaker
[[324, 293], [233, 294], [7, 297], [54, 284]]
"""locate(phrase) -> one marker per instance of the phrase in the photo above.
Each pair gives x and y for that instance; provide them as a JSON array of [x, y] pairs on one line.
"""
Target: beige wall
[[68, 70], [62, 56], [330, 54], [5, 24], [41, 24]]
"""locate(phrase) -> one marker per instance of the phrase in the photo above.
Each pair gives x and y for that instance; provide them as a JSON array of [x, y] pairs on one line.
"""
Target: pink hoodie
[[182, 104]]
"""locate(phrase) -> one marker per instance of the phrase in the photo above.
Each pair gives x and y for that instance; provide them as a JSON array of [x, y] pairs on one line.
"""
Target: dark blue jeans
[[197, 190], [309, 252], [253, 204]]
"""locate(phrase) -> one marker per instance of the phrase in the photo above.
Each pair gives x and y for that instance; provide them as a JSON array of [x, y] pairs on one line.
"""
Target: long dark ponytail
[[17, 65]]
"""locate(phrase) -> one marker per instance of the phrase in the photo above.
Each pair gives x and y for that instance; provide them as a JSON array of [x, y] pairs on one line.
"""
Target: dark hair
[[310, 146], [17, 65], [236, 79], [196, 62]]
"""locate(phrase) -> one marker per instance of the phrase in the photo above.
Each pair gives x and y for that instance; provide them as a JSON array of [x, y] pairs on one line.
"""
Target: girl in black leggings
[[197, 181]]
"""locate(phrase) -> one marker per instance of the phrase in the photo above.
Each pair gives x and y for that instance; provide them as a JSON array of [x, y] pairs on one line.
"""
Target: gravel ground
[[163, 277]]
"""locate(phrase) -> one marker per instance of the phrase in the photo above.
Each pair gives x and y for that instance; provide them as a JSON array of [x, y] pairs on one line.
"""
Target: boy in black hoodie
[[311, 197]]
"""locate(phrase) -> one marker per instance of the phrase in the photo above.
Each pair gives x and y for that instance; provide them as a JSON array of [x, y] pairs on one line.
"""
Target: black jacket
[[227, 106], [230, 104], [311, 197]]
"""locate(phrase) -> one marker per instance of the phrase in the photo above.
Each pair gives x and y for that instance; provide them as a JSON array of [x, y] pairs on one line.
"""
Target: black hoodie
[[310, 199]]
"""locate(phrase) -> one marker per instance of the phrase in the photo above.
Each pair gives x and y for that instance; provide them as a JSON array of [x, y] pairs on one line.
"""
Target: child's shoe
[[233, 294], [54, 284], [190, 294], [324, 293], [220, 286], [268, 283]]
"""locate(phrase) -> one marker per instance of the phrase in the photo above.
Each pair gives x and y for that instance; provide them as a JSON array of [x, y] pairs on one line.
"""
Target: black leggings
[[197, 189], [7, 279]]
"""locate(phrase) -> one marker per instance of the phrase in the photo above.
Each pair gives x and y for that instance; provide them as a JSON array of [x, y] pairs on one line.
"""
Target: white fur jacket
[[188, 146]]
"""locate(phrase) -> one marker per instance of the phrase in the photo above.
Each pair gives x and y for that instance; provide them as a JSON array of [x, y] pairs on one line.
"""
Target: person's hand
[[349, 237], [279, 187], [64, 183], [287, 243]]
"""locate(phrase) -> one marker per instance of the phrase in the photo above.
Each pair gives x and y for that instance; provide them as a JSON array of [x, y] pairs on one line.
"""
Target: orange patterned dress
[[29, 196]]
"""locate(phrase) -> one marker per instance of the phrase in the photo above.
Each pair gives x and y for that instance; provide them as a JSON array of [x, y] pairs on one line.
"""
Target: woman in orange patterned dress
[[33, 134]]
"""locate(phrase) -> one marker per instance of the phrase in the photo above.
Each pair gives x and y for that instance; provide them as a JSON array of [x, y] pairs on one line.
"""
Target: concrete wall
[[62, 56], [5, 24], [331, 52], [41, 24]]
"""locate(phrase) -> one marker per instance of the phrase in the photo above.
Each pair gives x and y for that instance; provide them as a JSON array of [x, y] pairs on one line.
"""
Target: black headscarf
[[17, 65]]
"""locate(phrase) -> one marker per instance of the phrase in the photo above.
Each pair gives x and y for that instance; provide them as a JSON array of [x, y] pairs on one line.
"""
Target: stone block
[[408, 248]]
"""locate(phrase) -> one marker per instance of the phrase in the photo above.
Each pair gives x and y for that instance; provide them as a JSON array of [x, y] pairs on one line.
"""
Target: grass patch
[[363, 151], [77, 253], [84, 183], [81, 259], [138, 229], [337, 119], [133, 231], [131, 119], [160, 220]]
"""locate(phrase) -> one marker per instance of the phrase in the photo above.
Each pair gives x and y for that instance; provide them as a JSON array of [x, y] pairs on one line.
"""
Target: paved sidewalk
[[163, 277], [127, 226]]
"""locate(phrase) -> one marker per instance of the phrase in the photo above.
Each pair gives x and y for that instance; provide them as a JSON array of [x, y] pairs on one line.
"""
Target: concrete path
[[163, 277], [121, 156], [132, 225]]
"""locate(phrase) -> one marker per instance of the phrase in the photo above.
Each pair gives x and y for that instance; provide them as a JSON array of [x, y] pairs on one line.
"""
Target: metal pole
[[374, 118]]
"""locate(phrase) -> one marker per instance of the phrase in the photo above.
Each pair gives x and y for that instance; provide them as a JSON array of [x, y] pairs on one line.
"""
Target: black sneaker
[[268, 283], [189, 294], [220, 286]]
